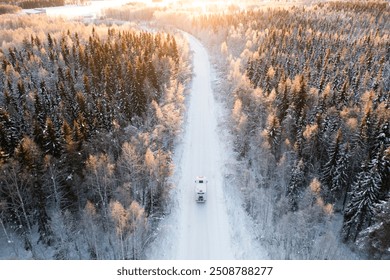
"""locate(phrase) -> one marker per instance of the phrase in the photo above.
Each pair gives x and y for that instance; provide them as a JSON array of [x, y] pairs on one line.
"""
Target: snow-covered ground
[[218, 228], [92, 9]]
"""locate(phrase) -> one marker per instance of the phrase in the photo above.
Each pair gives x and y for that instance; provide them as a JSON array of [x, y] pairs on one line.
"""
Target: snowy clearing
[[92, 9]]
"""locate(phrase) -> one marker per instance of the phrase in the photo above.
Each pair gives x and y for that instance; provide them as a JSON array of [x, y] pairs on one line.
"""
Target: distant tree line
[[32, 4], [309, 94], [9, 9], [87, 127]]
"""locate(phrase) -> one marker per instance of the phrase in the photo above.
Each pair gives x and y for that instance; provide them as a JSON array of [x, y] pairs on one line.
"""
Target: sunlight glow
[[204, 5], [93, 9], [214, 6]]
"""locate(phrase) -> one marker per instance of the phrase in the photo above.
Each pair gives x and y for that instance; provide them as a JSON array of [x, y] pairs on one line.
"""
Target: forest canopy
[[88, 118], [309, 99]]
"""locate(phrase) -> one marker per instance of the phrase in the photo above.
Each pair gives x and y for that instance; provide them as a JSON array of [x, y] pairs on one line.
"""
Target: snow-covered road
[[203, 227], [218, 228], [197, 230]]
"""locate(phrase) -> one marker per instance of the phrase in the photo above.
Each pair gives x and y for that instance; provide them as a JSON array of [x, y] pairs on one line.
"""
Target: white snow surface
[[92, 9], [218, 228]]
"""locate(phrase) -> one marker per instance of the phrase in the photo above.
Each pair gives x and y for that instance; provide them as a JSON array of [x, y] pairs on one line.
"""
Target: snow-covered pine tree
[[375, 240], [282, 99], [329, 169], [273, 133], [52, 142], [296, 184], [9, 134], [363, 205], [341, 177], [138, 98]]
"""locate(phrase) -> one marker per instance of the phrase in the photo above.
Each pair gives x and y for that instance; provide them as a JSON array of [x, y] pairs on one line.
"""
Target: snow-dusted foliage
[[88, 121], [308, 93]]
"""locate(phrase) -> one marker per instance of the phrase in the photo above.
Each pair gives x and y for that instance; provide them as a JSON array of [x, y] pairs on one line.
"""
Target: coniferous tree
[[363, 205], [52, 143], [9, 136], [330, 167], [340, 180], [375, 239], [296, 184]]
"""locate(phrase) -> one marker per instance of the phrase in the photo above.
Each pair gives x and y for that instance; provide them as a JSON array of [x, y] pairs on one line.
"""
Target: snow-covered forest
[[309, 99], [88, 120], [90, 117], [307, 88]]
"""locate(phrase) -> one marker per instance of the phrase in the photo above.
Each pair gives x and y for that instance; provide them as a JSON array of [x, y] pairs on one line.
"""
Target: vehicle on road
[[200, 189]]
